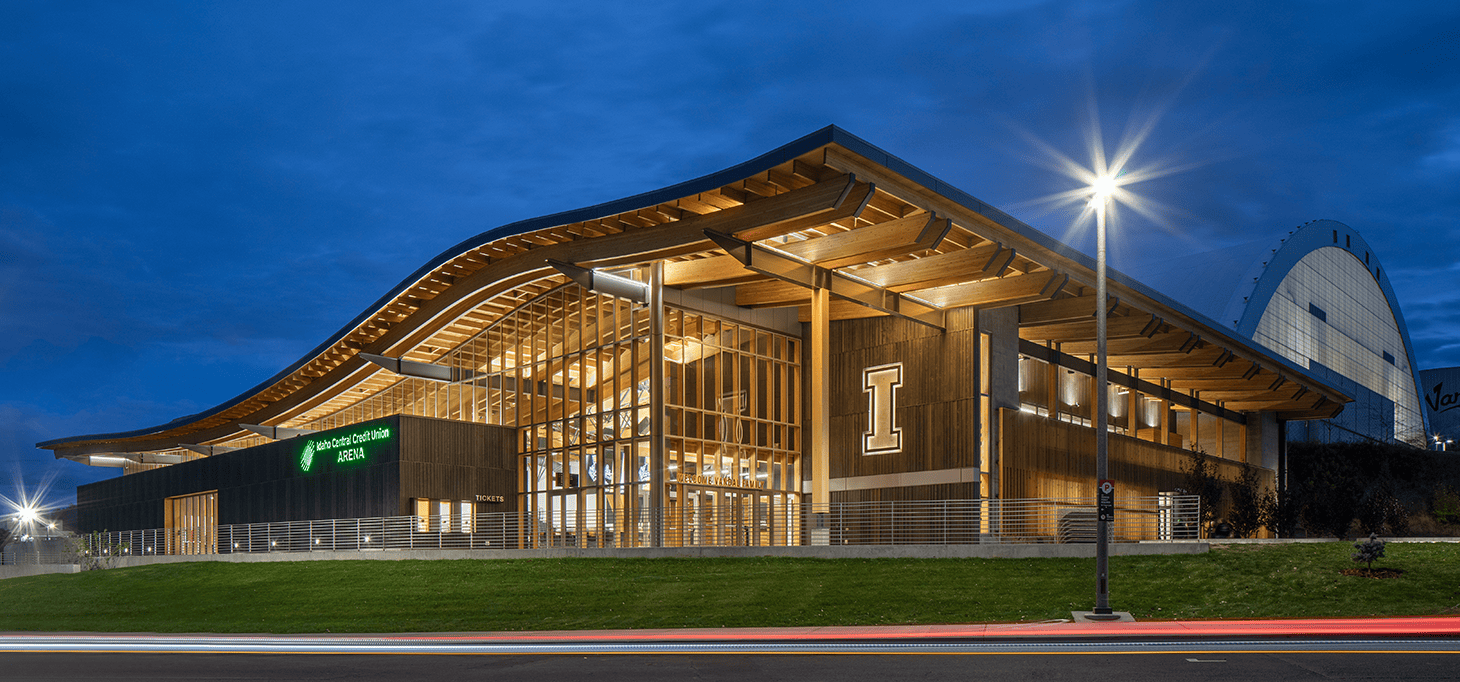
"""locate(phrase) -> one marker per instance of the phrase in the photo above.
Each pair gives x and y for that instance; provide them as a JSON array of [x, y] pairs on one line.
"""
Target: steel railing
[[732, 523]]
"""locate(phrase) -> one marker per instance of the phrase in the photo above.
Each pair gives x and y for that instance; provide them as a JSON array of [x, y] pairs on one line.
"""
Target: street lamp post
[[1103, 187]]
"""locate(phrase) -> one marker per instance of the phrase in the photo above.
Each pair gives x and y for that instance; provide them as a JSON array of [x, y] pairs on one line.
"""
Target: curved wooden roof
[[890, 239]]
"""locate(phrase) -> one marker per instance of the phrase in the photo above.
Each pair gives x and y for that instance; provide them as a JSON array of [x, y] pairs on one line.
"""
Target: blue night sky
[[192, 195]]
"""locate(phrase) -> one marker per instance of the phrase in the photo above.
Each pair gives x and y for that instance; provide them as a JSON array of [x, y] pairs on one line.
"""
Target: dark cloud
[[192, 195]]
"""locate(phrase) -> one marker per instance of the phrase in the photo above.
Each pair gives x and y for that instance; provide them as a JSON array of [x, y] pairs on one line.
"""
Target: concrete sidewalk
[[1438, 626]]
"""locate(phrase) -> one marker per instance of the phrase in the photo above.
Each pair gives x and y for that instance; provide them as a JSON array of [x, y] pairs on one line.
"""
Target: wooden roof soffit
[[937, 270], [715, 271], [806, 276], [996, 293], [875, 242], [1061, 311], [813, 206]]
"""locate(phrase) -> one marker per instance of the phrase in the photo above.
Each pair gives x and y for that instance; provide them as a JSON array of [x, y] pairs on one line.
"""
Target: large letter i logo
[[880, 383]]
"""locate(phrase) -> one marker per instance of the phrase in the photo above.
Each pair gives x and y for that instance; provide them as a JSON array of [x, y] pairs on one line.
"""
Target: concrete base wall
[[1291, 541], [36, 569], [825, 552]]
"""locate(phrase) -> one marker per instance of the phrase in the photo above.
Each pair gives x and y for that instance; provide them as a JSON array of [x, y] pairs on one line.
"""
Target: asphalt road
[[142, 657], [1212, 664]]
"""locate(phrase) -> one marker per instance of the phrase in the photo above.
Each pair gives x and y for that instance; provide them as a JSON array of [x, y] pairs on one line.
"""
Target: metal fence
[[946, 522]]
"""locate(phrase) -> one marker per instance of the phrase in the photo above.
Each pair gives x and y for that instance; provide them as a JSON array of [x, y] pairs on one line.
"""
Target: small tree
[[96, 550], [1372, 510], [5, 538], [1369, 551], [1446, 505], [1334, 493], [1279, 512], [1201, 480], [1245, 515]]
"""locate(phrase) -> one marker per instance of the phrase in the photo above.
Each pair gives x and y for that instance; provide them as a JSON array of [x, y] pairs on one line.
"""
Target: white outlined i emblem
[[883, 435]]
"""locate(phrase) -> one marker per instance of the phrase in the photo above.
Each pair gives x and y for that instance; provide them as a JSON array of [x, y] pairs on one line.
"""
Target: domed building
[[1319, 298]]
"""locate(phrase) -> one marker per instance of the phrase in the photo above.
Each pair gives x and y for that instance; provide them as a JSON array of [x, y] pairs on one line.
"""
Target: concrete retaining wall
[[36, 569], [1307, 541]]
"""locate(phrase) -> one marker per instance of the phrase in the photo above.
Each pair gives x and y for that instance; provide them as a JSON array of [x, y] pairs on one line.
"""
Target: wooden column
[[1163, 427], [1221, 440], [658, 468], [819, 440], [820, 399], [1133, 414], [1052, 378], [1195, 422]]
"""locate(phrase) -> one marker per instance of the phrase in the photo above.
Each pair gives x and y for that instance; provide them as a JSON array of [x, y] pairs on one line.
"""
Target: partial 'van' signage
[[345, 448], [1441, 401], [880, 383]]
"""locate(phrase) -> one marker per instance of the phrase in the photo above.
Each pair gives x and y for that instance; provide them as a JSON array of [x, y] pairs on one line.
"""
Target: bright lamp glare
[[27, 515], [1102, 188]]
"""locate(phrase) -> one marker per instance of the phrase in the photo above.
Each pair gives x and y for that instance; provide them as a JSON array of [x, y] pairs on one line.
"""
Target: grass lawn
[[1244, 581]]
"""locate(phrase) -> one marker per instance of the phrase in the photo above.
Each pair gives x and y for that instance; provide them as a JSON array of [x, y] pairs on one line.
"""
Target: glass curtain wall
[[571, 370], [732, 399]]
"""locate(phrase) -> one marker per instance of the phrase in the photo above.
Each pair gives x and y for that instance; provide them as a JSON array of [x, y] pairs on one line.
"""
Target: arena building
[[1320, 298], [824, 324]]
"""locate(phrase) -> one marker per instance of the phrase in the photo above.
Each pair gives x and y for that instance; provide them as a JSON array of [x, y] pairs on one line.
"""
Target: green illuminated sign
[[344, 448]]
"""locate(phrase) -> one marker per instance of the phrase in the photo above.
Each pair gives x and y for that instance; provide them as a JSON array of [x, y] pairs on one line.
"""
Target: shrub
[[1279, 512], [1369, 550], [1446, 505], [1201, 480], [1334, 493], [1381, 509], [1245, 515]]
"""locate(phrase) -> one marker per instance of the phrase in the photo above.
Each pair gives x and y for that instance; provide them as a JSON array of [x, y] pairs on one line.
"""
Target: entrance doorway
[[192, 523], [726, 517]]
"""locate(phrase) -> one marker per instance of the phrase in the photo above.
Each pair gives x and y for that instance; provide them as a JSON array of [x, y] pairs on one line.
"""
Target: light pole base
[[1092, 617]]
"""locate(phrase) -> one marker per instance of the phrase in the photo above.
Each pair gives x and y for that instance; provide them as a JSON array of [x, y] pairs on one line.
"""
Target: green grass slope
[[1250, 581]]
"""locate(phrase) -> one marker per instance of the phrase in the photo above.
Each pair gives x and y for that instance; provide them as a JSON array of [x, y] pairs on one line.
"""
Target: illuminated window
[[423, 515]]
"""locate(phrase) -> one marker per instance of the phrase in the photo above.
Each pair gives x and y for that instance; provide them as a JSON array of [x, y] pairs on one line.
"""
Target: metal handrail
[[939, 522]]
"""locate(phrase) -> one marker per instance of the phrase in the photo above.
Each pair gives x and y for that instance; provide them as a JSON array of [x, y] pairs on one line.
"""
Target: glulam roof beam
[[807, 276], [997, 293], [1073, 309], [874, 242], [715, 271], [937, 270]]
